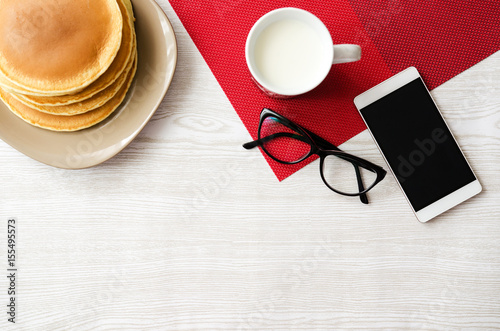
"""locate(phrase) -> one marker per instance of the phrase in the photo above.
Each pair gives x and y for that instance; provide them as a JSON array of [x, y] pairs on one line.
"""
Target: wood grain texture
[[186, 230]]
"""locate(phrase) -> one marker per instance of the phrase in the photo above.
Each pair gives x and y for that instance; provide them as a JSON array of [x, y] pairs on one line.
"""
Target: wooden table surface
[[186, 230]]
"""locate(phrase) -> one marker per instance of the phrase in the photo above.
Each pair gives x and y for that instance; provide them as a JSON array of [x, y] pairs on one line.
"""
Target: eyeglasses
[[289, 143]]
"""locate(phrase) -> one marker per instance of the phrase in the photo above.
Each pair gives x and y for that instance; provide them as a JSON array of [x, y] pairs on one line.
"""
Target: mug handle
[[346, 53]]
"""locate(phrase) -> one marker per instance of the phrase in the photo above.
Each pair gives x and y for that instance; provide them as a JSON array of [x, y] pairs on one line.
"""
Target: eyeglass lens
[[341, 175], [282, 142]]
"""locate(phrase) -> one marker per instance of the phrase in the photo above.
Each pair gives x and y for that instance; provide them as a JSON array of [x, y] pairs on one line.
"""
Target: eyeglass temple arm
[[320, 141], [261, 141]]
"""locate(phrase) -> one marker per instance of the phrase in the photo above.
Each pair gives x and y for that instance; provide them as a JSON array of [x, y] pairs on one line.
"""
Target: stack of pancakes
[[66, 65]]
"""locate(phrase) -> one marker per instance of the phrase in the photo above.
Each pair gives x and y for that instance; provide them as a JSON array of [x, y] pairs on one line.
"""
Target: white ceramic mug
[[289, 51]]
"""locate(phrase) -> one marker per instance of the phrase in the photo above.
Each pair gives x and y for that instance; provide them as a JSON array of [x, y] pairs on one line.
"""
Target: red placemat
[[441, 38]]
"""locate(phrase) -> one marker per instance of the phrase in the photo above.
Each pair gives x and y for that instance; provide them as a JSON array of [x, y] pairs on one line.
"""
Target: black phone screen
[[417, 144]]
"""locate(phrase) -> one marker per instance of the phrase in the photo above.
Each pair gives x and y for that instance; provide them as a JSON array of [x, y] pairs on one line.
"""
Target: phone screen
[[417, 144]]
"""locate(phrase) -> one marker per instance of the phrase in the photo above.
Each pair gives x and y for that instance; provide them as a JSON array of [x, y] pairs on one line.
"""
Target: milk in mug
[[289, 54]]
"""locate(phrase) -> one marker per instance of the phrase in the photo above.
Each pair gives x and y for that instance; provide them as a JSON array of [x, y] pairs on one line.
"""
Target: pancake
[[56, 47], [120, 63], [130, 9], [86, 105], [68, 123]]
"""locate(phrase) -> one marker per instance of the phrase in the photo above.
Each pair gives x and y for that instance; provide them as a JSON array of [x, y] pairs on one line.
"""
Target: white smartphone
[[416, 143]]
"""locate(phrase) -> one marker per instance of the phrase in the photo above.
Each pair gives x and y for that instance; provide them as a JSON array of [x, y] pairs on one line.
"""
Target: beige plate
[[157, 54]]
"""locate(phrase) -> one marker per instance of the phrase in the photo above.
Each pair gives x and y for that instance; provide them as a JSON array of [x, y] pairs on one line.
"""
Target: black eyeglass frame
[[322, 148]]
